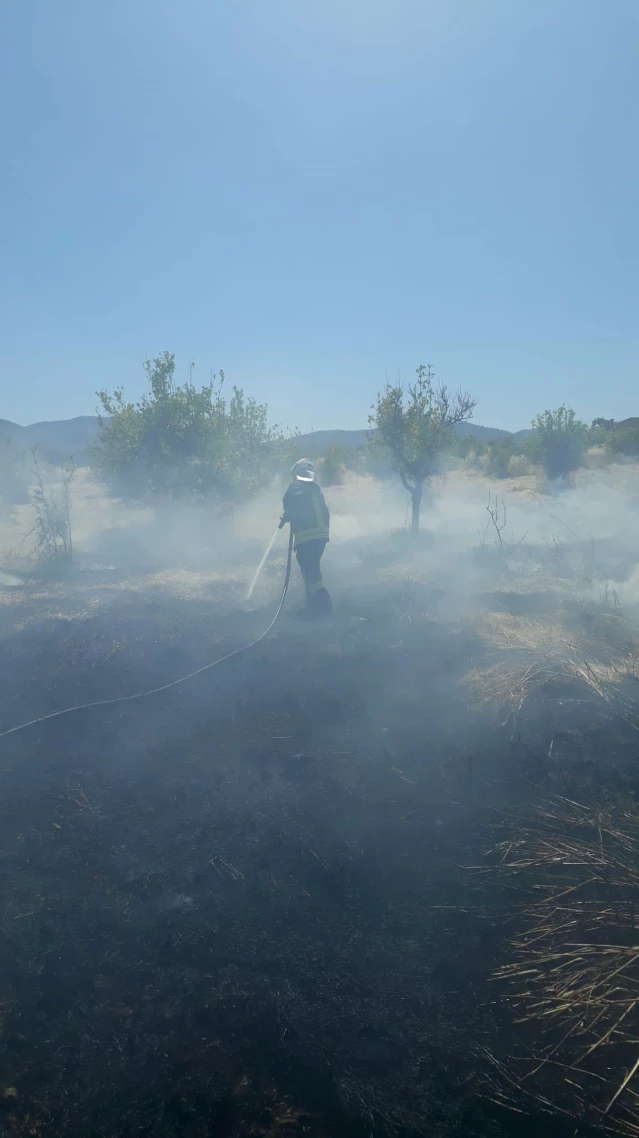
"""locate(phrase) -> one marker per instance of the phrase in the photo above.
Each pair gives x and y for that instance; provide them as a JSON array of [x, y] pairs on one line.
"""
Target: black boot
[[322, 604], [306, 613]]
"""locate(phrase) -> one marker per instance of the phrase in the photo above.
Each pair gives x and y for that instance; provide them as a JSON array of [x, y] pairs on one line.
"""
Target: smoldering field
[[377, 876]]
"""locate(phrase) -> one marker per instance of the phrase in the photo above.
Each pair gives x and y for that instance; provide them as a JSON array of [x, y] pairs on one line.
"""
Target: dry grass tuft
[[573, 973], [600, 658]]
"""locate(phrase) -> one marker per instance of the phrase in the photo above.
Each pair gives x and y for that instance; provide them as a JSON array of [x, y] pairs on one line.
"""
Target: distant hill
[[72, 438], [316, 442], [56, 441]]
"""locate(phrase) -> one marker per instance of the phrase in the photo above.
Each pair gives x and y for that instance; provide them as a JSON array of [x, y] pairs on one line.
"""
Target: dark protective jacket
[[306, 510]]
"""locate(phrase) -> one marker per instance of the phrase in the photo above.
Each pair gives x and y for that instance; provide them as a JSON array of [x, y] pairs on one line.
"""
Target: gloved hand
[[282, 523]]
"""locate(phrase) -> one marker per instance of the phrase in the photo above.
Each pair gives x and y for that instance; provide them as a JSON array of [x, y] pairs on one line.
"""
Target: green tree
[[558, 441], [415, 427], [602, 424], [179, 440]]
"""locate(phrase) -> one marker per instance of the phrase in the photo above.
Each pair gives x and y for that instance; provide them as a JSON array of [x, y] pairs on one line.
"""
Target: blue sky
[[314, 194]]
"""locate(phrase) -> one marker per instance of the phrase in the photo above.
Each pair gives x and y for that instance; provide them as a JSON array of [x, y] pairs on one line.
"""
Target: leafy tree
[[178, 439], [558, 441], [415, 427]]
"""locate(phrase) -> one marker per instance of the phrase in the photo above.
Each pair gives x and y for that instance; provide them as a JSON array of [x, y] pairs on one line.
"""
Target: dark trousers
[[309, 555]]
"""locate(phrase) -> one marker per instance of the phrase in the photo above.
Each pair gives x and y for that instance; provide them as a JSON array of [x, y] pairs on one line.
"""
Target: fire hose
[[173, 683]]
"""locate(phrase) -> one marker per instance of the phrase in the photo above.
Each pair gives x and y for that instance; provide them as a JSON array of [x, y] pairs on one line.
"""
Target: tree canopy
[[558, 441], [415, 426], [181, 440]]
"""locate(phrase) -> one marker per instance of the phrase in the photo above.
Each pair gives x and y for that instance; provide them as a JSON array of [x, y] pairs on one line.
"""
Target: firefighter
[[306, 510]]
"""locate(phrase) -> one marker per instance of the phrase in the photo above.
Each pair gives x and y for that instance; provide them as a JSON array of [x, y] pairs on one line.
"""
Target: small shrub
[[623, 441], [335, 461], [600, 430], [473, 461], [519, 466], [596, 457], [558, 441], [466, 448], [497, 457], [52, 506]]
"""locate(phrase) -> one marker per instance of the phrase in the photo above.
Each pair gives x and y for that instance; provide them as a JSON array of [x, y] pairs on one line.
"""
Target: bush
[[497, 457], [335, 460], [52, 508], [596, 458], [183, 441], [518, 466], [600, 430], [558, 441], [623, 442], [468, 448]]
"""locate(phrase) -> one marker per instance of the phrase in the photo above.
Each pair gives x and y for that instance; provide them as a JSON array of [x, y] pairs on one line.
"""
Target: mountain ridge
[[71, 438], [56, 439]]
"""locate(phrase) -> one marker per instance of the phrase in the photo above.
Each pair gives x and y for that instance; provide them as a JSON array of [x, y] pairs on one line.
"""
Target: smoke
[[285, 811], [9, 581], [590, 527], [179, 573]]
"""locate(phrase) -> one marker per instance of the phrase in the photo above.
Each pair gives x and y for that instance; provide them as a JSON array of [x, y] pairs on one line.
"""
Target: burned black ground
[[244, 907]]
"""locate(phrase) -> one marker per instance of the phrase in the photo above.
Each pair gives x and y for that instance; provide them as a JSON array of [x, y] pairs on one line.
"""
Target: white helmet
[[304, 470]]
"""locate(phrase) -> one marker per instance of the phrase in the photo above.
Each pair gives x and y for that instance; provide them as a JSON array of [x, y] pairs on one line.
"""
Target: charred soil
[[244, 907]]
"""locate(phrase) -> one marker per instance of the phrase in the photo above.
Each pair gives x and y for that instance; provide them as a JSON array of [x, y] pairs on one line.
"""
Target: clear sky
[[314, 194]]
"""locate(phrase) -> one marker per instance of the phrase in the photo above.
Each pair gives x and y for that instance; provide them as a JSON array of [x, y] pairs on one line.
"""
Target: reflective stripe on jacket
[[306, 510]]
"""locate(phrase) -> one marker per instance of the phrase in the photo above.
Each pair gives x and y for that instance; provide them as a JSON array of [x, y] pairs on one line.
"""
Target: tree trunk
[[416, 499]]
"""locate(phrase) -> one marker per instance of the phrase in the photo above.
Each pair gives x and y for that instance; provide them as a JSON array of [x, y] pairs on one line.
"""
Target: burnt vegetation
[[376, 877]]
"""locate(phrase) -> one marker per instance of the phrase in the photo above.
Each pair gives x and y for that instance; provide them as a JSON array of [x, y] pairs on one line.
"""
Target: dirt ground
[[251, 905]]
